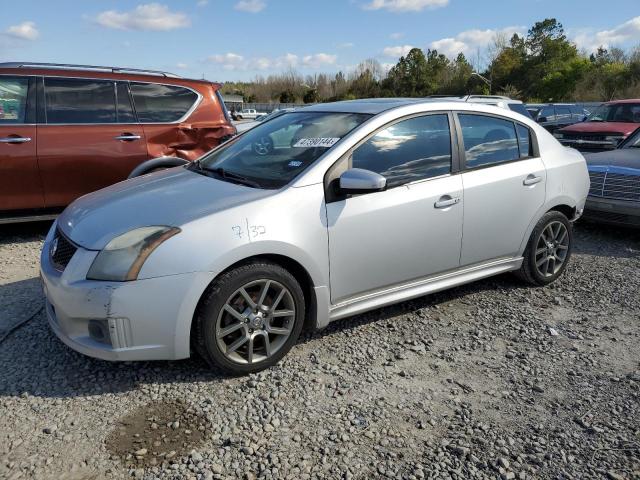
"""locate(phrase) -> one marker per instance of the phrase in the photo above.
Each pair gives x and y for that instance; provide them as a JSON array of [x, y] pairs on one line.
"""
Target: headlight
[[123, 257]]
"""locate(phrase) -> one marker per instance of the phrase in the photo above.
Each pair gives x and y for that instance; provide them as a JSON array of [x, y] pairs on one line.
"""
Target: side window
[[548, 112], [524, 141], [563, 113], [161, 103], [13, 100], [409, 150], [125, 109], [488, 140], [79, 101]]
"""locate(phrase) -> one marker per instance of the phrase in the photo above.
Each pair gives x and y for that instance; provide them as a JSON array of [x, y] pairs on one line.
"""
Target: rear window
[[70, 100], [223, 106], [161, 103], [520, 108]]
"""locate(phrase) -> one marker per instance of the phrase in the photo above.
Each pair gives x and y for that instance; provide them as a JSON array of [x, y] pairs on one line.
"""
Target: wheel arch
[[161, 162], [294, 267], [562, 205]]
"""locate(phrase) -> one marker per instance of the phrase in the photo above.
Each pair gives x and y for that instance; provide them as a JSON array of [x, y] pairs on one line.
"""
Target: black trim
[[30, 114], [41, 115]]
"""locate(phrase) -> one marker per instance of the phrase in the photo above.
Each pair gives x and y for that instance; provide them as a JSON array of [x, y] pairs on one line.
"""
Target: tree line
[[541, 66]]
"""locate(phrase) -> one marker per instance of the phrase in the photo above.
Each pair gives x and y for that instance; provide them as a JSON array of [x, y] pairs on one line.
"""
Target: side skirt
[[419, 288]]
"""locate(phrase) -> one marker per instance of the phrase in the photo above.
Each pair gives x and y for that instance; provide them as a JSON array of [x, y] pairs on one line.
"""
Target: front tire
[[548, 250], [249, 318]]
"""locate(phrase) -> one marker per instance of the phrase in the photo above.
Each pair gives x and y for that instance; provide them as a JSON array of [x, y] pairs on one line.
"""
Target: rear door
[[20, 186], [504, 186], [89, 137]]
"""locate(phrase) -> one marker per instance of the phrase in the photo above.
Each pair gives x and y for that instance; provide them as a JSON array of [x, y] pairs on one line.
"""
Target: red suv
[[605, 128], [66, 130]]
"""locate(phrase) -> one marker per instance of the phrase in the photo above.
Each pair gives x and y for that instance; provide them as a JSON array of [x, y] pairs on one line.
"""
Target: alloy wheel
[[552, 248], [255, 322]]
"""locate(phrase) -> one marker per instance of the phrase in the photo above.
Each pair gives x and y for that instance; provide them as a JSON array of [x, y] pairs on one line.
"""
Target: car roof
[[107, 73], [629, 100], [372, 106]]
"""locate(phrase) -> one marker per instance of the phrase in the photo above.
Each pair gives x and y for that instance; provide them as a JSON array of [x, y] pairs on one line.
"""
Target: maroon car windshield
[[616, 112]]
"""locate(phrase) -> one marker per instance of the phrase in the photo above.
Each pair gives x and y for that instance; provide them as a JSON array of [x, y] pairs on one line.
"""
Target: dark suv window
[[161, 103], [70, 100], [13, 99], [409, 150], [488, 140]]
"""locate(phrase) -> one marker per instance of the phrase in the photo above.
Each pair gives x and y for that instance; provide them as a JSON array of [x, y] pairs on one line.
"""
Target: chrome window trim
[[181, 120]]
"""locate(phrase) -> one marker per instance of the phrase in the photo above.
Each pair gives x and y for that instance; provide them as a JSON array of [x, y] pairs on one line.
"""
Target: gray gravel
[[490, 380]]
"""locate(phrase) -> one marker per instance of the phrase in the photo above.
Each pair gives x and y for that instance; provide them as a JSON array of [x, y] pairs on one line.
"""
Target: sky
[[227, 40]]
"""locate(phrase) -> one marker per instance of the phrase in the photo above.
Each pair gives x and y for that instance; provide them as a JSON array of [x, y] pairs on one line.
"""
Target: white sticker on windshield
[[316, 142], [295, 163]]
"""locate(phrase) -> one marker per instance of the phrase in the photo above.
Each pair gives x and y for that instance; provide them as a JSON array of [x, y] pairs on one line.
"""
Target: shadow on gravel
[[23, 232], [606, 241]]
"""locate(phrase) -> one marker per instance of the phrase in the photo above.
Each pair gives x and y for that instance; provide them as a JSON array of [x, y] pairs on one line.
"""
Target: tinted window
[[520, 108], [488, 140], [524, 141], [161, 103], [576, 110], [13, 99], [79, 101], [548, 112], [563, 112], [620, 112], [407, 151], [125, 110]]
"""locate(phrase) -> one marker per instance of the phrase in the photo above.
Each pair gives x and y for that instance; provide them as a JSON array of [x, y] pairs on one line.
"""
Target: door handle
[[531, 180], [446, 201], [15, 139], [128, 137]]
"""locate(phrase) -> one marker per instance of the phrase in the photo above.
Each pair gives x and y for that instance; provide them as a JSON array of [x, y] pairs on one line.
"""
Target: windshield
[[534, 112], [621, 112], [275, 152], [633, 141], [520, 108]]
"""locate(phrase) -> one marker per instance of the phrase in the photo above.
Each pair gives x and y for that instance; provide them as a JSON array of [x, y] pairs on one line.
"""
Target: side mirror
[[359, 180], [542, 119]]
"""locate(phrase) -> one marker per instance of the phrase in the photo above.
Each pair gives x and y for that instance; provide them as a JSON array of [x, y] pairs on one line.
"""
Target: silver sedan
[[316, 215]]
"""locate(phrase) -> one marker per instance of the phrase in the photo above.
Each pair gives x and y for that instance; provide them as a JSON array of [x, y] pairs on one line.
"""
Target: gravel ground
[[490, 380]]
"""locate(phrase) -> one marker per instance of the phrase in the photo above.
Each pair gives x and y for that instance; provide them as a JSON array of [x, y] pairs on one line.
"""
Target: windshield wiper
[[233, 177]]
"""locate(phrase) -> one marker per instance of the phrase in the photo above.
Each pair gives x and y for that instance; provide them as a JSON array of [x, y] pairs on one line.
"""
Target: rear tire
[[548, 250], [249, 318]]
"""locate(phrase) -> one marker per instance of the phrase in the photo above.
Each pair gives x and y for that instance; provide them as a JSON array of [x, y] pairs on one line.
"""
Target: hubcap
[[552, 248], [255, 322]]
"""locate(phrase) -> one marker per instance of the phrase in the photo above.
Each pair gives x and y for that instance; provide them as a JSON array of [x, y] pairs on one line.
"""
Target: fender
[[152, 164]]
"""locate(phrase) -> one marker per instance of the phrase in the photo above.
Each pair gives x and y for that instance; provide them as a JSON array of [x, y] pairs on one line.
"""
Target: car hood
[[607, 128], [172, 197], [626, 158]]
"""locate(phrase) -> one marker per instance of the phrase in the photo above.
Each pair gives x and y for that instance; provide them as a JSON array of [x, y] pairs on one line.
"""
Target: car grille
[[61, 251], [587, 141], [615, 185]]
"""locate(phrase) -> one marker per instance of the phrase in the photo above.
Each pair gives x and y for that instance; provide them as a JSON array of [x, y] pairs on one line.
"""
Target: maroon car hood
[[602, 127]]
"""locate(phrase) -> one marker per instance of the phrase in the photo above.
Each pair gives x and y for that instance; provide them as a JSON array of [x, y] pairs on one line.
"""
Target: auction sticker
[[316, 142]]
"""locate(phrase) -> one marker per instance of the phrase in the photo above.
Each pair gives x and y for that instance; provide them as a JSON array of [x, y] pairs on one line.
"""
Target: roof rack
[[86, 67]]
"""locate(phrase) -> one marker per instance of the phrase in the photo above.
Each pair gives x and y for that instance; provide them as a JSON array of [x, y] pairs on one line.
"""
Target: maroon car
[[604, 129], [66, 130]]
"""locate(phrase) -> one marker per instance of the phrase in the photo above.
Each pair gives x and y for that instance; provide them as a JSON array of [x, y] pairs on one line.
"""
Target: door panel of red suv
[[20, 186], [82, 147]]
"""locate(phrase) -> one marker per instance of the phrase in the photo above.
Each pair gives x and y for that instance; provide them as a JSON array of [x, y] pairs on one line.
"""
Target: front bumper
[[613, 212], [145, 319]]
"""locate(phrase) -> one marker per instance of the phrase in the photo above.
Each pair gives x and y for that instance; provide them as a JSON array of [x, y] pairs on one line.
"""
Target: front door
[[504, 187], [86, 142], [410, 231], [20, 186]]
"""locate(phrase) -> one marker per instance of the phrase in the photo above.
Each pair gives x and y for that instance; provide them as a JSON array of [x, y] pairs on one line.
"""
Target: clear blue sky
[[239, 39]]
